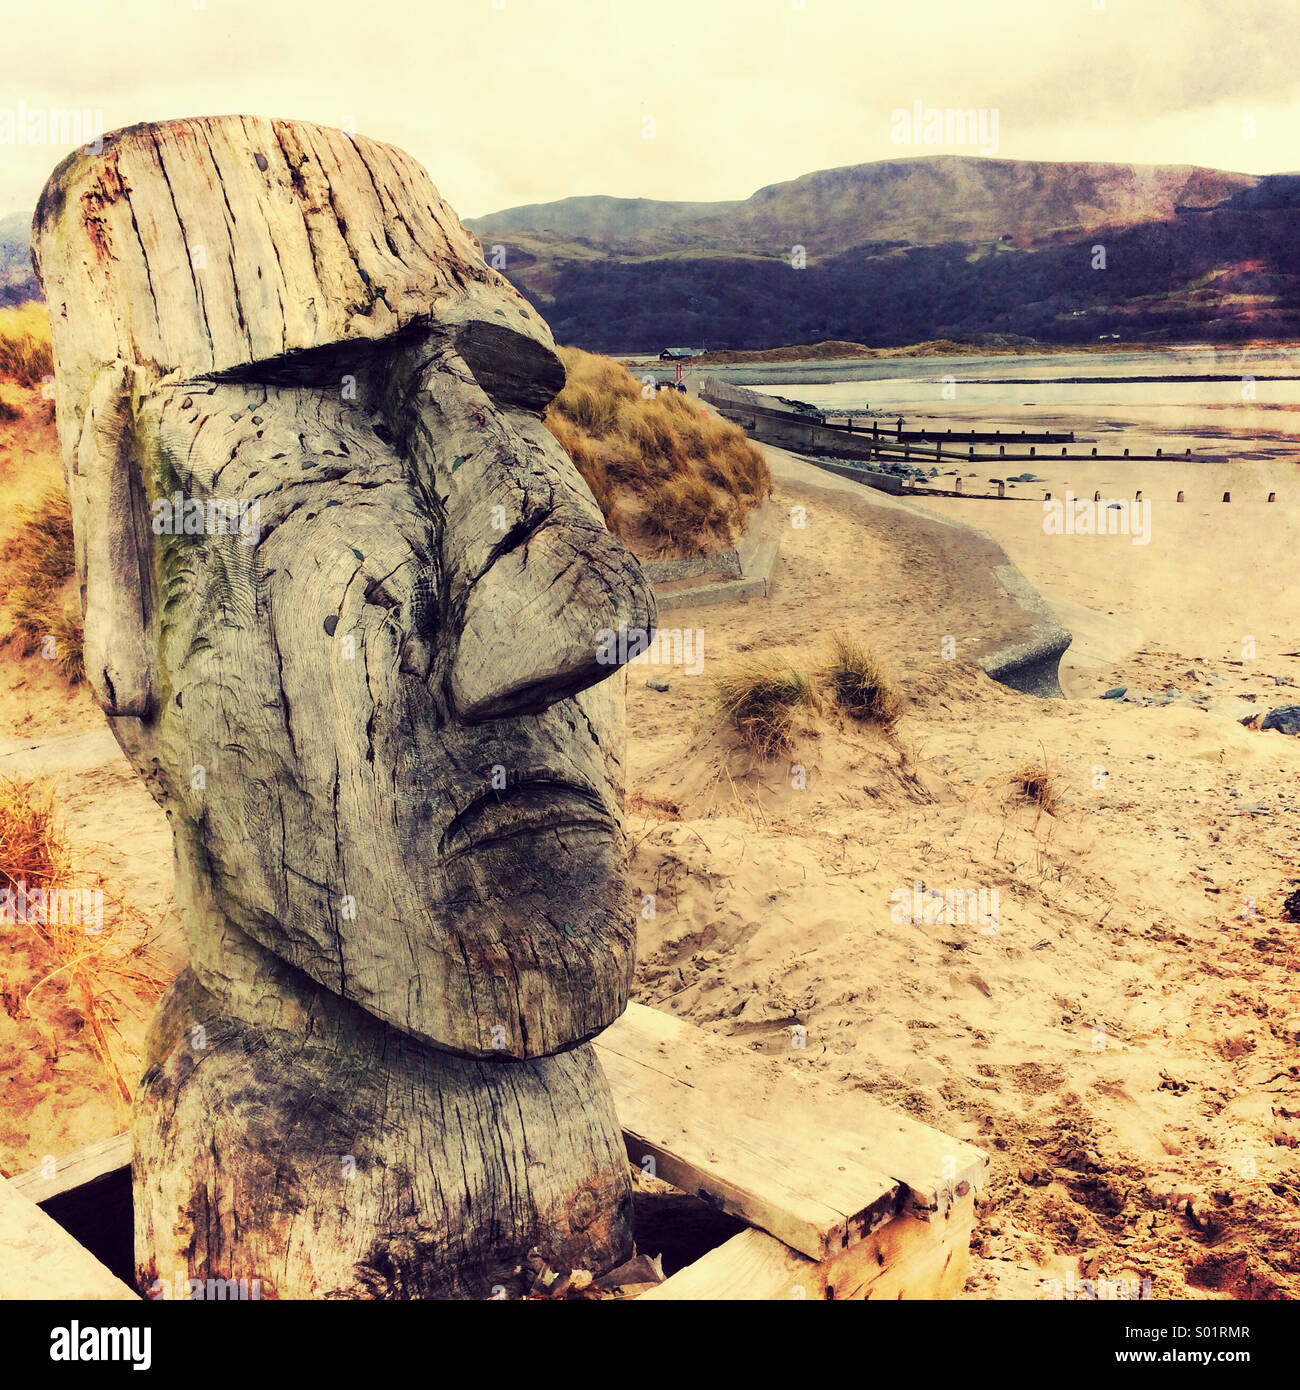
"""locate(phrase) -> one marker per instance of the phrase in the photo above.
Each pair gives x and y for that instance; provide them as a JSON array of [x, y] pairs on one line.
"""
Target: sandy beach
[[1124, 1042]]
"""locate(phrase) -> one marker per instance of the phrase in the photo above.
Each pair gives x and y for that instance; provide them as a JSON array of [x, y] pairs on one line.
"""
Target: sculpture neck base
[[367, 1167]]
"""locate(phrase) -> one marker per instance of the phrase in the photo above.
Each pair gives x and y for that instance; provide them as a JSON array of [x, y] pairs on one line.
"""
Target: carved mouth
[[533, 806]]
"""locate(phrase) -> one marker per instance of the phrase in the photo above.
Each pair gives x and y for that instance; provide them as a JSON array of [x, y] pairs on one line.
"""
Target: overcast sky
[[519, 101]]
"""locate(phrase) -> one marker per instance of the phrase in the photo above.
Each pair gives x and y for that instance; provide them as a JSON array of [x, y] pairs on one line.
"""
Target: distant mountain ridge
[[900, 250], [17, 281], [598, 216], [921, 201]]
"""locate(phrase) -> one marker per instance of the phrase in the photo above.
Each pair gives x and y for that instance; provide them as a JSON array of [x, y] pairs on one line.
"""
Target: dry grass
[[862, 686], [642, 803], [25, 354], [667, 478], [1036, 782], [37, 563], [31, 848], [761, 700], [687, 506], [69, 655], [88, 960]]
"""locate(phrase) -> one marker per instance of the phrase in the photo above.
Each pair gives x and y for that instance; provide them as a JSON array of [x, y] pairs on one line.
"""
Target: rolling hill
[[903, 250], [921, 202]]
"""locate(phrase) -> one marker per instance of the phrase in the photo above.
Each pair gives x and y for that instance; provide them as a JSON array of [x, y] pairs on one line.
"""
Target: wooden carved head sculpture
[[344, 597]]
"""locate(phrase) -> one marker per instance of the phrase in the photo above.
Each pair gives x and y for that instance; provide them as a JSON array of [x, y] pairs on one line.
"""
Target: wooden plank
[[748, 1167], [88, 1165], [40, 1260], [935, 1169], [838, 1131], [751, 1266], [908, 1259]]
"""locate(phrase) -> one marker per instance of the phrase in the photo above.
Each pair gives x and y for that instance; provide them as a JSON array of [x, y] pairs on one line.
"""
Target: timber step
[[848, 1198], [79, 1171]]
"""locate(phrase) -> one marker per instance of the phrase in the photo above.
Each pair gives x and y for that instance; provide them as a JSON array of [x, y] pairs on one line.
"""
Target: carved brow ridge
[[325, 366], [513, 369]]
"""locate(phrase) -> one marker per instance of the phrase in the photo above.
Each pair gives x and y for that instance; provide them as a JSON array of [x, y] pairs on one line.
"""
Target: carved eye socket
[[329, 368], [515, 370]]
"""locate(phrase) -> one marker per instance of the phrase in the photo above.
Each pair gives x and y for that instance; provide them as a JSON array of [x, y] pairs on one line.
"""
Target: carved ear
[[111, 517]]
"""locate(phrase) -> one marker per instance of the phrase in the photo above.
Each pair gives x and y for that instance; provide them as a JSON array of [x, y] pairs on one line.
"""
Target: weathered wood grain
[[704, 1107], [462, 881], [205, 244], [750, 1167], [89, 1165], [331, 1156], [906, 1259], [373, 708]]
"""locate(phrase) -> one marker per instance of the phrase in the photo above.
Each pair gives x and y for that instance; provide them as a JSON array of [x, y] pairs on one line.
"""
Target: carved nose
[[531, 633]]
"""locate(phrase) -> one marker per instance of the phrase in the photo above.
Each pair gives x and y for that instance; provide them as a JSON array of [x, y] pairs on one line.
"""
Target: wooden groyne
[[795, 426], [858, 426]]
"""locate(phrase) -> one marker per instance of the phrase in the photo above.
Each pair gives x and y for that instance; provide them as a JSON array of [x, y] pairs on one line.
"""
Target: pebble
[[1116, 692], [656, 684], [1203, 1215], [1285, 719]]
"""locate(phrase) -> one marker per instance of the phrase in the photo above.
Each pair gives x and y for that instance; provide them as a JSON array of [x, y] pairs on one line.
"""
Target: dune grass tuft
[[761, 700], [36, 563], [1036, 782], [25, 353], [686, 506], [861, 685], [88, 960], [31, 848], [69, 643], [662, 473]]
